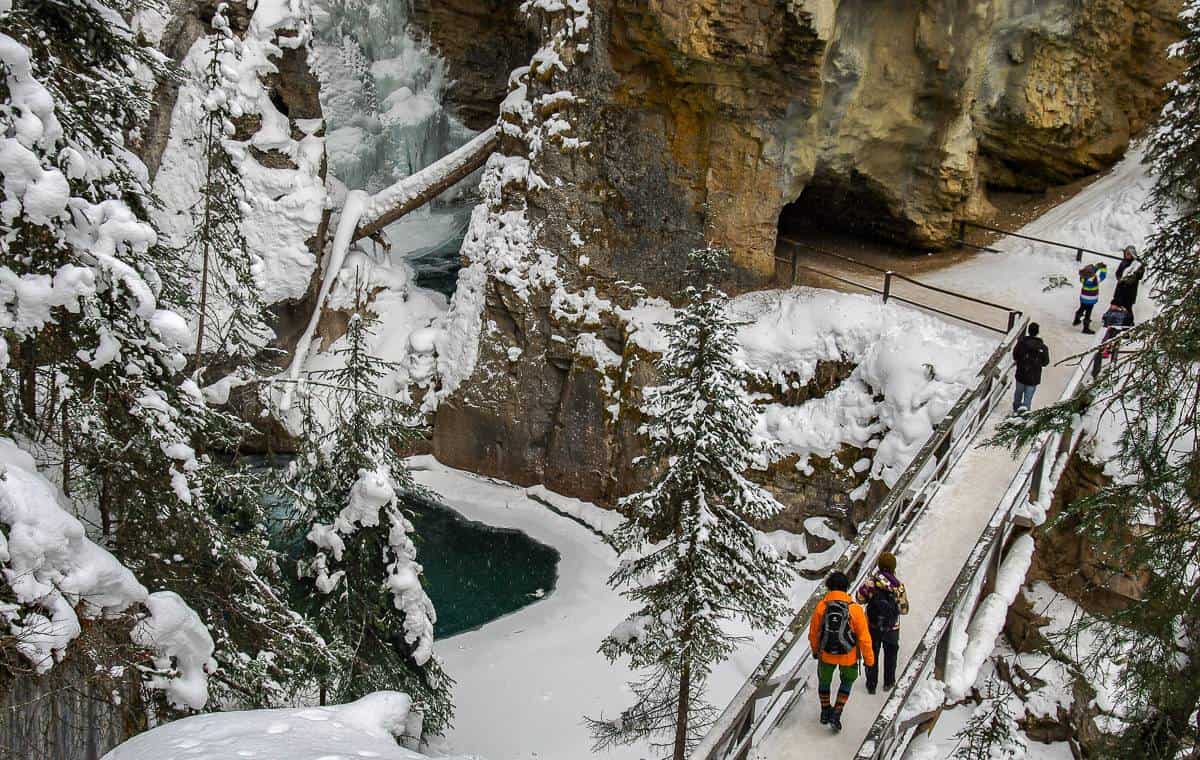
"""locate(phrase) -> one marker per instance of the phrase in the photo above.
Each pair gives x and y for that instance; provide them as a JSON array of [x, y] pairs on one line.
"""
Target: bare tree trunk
[[206, 237], [66, 451], [681, 719], [29, 379], [103, 502]]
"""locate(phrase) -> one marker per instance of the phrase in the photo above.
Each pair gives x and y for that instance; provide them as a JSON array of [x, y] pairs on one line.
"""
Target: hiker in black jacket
[[1126, 293], [1030, 355]]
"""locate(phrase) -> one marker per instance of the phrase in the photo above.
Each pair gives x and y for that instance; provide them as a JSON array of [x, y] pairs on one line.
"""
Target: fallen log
[[415, 191]]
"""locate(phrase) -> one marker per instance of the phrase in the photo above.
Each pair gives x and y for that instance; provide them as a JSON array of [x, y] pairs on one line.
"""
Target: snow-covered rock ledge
[[366, 728]]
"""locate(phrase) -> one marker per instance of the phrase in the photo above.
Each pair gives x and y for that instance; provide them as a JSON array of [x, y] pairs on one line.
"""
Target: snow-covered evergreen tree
[[360, 578], [691, 560], [1148, 518], [93, 341], [230, 313]]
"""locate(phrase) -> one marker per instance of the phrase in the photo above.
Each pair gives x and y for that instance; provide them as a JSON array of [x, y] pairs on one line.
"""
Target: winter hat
[[887, 561], [1034, 329], [1130, 250]]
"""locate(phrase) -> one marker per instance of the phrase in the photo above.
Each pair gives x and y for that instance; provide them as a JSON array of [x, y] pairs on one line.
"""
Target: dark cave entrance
[[840, 209]]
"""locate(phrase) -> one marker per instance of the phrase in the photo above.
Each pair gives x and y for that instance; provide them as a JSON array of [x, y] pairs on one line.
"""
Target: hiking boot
[[826, 713], [870, 688], [835, 721], [1078, 319], [1087, 330], [889, 686]]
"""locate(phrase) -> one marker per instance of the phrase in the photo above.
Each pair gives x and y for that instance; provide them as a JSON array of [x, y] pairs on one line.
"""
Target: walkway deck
[[939, 544]]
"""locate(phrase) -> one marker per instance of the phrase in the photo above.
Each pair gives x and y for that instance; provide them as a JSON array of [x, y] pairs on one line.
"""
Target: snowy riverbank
[[526, 680]]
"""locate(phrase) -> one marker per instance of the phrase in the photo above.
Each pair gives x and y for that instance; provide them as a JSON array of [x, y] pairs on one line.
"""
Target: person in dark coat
[[1128, 259], [1030, 355], [1126, 292], [885, 600]]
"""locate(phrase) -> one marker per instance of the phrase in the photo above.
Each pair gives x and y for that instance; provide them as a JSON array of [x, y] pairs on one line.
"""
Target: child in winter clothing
[[839, 635], [885, 600], [1090, 278], [1115, 319]]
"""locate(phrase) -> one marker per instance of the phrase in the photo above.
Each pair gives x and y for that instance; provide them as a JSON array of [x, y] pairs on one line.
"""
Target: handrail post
[[887, 285], [1078, 254], [1012, 319], [962, 230], [795, 259]]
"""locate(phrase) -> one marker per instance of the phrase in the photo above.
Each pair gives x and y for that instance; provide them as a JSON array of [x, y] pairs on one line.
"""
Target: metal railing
[[776, 683], [963, 224], [1034, 483], [888, 290]]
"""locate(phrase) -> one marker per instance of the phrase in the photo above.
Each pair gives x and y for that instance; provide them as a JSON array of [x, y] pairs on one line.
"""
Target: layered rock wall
[[891, 119], [643, 129]]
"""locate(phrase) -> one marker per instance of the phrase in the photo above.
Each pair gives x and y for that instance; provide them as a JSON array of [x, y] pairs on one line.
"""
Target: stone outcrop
[[1092, 575], [646, 129], [891, 119], [483, 40], [293, 90]]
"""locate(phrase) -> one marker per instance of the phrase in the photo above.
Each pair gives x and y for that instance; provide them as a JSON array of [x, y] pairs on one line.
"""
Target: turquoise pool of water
[[476, 573]]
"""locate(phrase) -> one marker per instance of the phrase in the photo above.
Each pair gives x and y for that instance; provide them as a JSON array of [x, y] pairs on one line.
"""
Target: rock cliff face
[[290, 88], [886, 118], [644, 129]]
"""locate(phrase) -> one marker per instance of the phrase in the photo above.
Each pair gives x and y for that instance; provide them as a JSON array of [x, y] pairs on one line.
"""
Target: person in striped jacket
[[1090, 278]]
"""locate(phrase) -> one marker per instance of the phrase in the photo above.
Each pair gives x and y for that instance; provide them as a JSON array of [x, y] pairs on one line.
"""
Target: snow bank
[[368, 728], [58, 576], [962, 665], [282, 207], [911, 369]]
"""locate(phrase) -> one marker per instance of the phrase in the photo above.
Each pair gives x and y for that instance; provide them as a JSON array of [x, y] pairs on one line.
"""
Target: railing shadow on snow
[[780, 678], [1021, 509]]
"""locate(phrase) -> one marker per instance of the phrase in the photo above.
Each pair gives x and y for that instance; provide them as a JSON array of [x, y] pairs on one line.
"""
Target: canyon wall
[[892, 119], [646, 128]]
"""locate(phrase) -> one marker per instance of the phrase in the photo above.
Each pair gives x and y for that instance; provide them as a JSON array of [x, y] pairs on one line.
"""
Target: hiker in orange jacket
[[839, 636]]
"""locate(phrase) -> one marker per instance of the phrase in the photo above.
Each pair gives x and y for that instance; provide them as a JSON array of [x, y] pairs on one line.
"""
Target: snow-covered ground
[[362, 729], [1105, 216], [526, 680]]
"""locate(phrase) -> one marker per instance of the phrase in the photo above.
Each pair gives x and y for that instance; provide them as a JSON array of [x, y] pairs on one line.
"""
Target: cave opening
[[829, 211]]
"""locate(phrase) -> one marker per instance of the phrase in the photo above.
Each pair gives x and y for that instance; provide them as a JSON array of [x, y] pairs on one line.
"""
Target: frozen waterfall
[[382, 90]]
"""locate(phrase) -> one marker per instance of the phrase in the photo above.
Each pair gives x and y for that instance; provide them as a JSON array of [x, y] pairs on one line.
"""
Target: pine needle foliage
[[95, 385], [1147, 520], [356, 555], [691, 561], [230, 313]]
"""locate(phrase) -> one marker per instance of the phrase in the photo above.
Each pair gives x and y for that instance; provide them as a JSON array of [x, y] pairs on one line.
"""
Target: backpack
[[836, 636], [883, 609]]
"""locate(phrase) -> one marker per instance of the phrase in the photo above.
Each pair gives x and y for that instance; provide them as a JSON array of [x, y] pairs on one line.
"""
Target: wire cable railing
[[963, 224], [888, 290]]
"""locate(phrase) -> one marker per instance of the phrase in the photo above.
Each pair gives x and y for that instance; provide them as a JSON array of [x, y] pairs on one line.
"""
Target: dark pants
[[1084, 313], [890, 644]]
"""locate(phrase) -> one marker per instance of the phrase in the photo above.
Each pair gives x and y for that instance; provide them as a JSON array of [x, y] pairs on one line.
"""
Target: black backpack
[[836, 636], [883, 610]]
